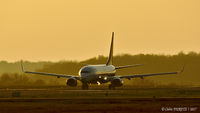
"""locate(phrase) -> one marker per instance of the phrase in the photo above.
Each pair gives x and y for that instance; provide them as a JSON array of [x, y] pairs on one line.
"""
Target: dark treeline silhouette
[[6, 67], [151, 64]]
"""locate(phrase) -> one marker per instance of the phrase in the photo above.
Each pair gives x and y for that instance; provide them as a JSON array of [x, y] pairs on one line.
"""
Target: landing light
[[98, 83]]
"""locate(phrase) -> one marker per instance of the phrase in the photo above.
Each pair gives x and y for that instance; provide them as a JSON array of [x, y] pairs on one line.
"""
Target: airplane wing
[[50, 74], [151, 74]]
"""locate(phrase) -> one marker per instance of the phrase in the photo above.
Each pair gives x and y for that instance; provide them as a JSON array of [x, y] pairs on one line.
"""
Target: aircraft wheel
[[85, 86], [111, 87]]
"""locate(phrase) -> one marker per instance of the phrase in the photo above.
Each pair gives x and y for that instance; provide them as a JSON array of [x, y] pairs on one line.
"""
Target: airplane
[[99, 74]]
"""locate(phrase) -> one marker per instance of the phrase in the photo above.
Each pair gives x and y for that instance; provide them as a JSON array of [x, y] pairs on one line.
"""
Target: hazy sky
[[79, 29]]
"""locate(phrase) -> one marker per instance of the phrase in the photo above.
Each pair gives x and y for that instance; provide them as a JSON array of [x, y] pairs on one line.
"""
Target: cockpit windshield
[[84, 71]]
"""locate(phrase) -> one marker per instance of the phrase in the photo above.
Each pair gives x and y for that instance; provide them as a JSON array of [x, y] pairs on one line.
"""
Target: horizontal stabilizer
[[135, 65]]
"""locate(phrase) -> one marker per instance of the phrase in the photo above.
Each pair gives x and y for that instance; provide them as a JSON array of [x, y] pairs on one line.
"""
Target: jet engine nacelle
[[71, 82], [117, 82]]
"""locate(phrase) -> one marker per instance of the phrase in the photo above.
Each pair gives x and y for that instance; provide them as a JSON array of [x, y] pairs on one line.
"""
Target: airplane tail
[[110, 58]]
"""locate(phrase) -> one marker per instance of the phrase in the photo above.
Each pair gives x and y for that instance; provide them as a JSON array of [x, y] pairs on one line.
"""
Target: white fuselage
[[96, 73]]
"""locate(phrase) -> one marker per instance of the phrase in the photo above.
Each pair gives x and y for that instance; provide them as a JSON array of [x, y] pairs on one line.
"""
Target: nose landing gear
[[84, 86]]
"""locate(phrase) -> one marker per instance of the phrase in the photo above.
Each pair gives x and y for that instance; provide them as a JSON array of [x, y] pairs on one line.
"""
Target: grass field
[[62, 100]]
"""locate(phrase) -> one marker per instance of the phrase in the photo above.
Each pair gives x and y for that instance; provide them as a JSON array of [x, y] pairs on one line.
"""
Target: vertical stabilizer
[[110, 58]]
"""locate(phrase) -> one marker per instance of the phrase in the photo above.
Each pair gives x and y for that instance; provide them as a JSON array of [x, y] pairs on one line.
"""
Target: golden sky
[[79, 29]]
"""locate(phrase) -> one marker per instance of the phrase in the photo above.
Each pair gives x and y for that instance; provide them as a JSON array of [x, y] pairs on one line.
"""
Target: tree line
[[152, 63]]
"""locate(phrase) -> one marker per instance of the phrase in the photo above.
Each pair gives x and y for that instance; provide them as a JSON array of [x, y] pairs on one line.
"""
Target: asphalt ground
[[153, 100]]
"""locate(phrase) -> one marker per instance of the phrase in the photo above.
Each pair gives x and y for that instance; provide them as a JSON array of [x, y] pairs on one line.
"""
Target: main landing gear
[[111, 87]]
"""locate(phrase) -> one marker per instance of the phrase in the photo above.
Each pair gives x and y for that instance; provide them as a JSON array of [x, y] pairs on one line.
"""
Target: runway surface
[[153, 100], [99, 105]]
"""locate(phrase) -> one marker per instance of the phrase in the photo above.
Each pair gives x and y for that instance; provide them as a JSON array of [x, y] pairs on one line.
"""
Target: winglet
[[22, 66], [182, 69]]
